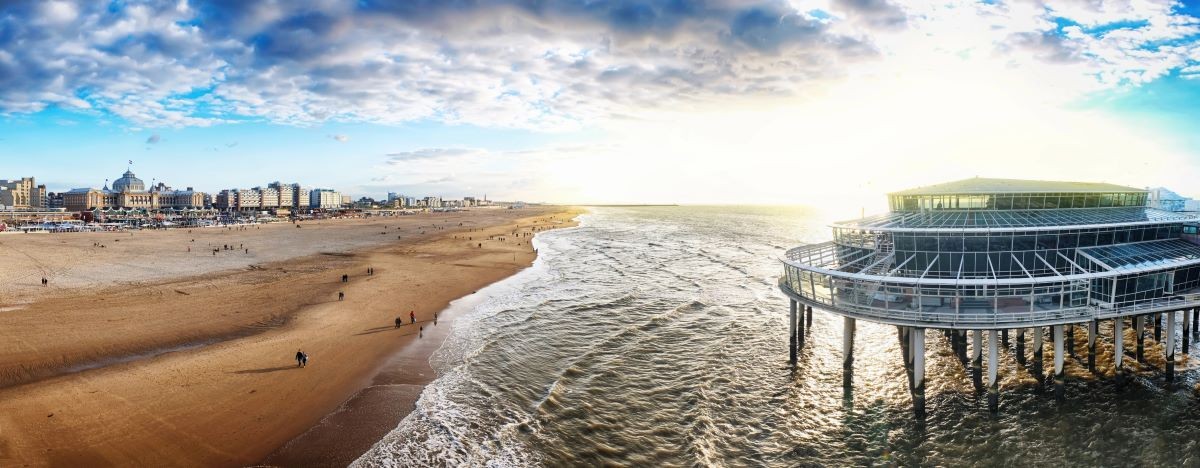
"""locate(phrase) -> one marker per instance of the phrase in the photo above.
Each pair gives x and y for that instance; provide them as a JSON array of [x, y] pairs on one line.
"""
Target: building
[[433, 202], [325, 199], [994, 255], [23, 193], [129, 193], [1164, 199], [286, 194], [183, 199]]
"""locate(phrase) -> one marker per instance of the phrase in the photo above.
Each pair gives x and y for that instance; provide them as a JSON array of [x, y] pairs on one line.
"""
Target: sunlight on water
[[657, 337]]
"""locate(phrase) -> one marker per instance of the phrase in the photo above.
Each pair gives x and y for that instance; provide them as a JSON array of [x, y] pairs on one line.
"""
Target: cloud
[[542, 65], [153, 140], [427, 154], [340, 138]]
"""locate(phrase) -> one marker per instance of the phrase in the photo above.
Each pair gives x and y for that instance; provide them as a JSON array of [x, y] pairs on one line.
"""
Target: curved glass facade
[[1003, 267]]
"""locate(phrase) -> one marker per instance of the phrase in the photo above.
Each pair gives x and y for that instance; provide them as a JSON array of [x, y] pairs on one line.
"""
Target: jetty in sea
[[1001, 256]]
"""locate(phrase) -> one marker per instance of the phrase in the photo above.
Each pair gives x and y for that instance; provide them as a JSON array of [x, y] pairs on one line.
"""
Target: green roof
[[979, 185]]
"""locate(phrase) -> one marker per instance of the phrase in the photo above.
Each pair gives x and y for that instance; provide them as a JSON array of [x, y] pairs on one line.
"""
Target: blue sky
[[719, 101]]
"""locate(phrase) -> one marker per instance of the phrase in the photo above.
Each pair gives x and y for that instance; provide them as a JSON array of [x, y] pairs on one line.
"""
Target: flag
[[130, 161]]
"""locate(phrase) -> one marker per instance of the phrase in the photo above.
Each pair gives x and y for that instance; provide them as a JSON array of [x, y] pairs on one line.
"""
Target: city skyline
[[651, 102]]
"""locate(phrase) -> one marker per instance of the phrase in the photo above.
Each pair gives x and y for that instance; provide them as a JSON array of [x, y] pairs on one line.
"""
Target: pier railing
[[814, 274]]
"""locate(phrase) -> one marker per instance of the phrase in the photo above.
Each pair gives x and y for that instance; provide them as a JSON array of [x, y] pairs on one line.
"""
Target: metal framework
[[996, 268]]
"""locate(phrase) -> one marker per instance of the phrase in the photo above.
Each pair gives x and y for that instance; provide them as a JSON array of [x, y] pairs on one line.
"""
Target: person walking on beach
[[399, 322], [300, 358], [341, 295], [345, 278], [412, 316]]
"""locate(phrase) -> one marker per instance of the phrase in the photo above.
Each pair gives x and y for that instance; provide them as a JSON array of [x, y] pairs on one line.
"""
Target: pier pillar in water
[[799, 329], [792, 332], [1119, 348], [1004, 337], [1195, 320], [1158, 327], [993, 395], [977, 359], [1187, 331], [847, 351], [962, 345], [1170, 345], [1070, 338], [1020, 346], [808, 314], [1093, 329], [1038, 336], [1139, 329], [1060, 378], [917, 351]]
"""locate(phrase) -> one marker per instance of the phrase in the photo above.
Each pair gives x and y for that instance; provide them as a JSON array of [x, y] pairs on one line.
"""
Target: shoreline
[[390, 396], [235, 401]]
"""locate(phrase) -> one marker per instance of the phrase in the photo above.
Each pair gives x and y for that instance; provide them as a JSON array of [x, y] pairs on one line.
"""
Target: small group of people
[[301, 358], [45, 281], [412, 317], [370, 271]]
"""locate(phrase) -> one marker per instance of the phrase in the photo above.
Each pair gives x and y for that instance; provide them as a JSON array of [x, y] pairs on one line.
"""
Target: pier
[[1005, 258]]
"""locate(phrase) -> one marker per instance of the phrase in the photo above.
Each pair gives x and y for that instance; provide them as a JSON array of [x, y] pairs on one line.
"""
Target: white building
[[325, 198]]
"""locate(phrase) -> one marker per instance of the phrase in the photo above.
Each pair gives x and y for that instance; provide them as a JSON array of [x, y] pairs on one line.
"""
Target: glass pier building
[[1000, 254]]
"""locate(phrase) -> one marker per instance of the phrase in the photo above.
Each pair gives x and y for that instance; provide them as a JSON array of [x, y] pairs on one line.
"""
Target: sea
[[656, 336]]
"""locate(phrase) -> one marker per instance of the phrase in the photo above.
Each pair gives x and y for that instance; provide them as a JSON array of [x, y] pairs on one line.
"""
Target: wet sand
[[194, 367]]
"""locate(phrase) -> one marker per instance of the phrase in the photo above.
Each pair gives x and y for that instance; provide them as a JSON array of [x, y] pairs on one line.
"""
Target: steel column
[[1060, 378], [993, 370], [847, 351]]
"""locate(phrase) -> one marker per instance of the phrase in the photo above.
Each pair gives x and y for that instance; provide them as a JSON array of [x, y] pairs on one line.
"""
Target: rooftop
[[980, 185], [1143, 255], [1015, 219]]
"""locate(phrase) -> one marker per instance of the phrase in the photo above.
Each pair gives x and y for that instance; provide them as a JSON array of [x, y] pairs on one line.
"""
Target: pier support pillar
[[1195, 320], [977, 359], [1038, 336], [917, 351], [800, 329], [1020, 346], [1170, 345], [963, 346], [1060, 378], [1139, 329], [792, 332], [847, 351], [808, 316], [1158, 327], [1119, 348], [1093, 330], [993, 395], [1070, 338], [1187, 331], [1004, 338]]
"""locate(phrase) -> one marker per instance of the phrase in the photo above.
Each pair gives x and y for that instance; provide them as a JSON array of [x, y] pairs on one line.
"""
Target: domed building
[[128, 183]]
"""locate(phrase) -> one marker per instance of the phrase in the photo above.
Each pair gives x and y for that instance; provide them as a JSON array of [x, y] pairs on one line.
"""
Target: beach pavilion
[[998, 255]]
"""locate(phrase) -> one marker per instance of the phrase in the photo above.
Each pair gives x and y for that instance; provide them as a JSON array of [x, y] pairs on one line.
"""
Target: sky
[[817, 102]]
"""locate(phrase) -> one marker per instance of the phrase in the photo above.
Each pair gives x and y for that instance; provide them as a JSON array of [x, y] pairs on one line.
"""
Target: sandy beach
[[141, 352]]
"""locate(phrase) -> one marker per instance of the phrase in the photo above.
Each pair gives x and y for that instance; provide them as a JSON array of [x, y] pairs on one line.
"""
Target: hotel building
[[129, 193]]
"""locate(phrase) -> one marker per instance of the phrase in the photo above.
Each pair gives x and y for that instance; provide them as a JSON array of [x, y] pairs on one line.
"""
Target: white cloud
[[557, 65]]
